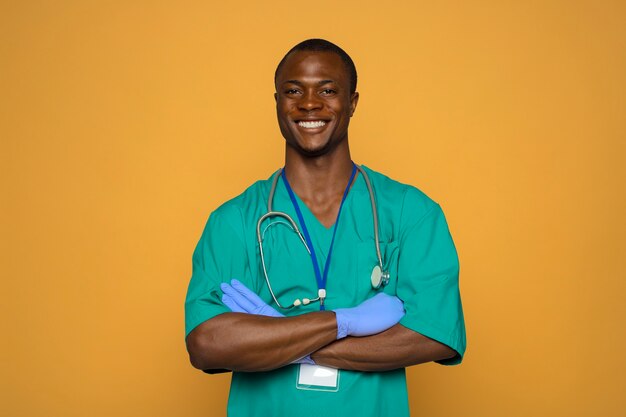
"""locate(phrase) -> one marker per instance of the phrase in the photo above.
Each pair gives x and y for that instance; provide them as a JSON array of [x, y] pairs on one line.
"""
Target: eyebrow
[[296, 82]]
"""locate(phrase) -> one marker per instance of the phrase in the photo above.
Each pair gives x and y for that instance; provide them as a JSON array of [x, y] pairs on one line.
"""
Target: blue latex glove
[[240, 299], [372, 316]]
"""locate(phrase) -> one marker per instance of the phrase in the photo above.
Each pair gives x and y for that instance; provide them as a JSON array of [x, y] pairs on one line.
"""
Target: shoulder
[[410, 200], [237, 209]]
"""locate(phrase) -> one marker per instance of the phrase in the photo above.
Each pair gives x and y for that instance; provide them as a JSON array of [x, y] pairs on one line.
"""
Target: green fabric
[[417, 249]]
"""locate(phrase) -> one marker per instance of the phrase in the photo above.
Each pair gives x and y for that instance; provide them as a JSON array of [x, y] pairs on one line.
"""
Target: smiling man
[[305, 332]]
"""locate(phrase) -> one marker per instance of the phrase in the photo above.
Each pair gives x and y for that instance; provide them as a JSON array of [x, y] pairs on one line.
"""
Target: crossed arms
[[251, 342]]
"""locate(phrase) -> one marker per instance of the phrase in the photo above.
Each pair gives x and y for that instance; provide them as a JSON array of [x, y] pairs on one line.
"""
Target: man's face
[[313, 101]]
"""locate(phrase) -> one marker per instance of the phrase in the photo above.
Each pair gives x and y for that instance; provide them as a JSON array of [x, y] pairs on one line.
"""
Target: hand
[[372, 316], [240, 299]]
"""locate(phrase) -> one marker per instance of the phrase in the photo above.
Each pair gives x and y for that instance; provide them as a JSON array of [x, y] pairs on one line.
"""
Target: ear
[[354, 99], [276, 97]]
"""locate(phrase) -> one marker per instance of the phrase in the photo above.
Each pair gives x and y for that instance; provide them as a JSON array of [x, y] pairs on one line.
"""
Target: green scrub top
[[416, 247]]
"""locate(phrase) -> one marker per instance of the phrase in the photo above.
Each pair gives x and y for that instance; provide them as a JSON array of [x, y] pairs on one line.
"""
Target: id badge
[[317, 378]]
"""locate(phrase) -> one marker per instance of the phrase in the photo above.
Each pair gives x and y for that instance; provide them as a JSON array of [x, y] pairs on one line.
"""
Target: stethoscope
[[379, 276]]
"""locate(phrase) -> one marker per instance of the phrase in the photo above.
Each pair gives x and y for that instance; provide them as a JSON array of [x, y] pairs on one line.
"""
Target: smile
[[311, 124]]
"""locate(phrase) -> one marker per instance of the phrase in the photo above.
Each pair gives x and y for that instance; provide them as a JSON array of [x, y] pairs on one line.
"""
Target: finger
[[241, 300], [232, 304], [234, 297], [244, 291], [227, 289], [307, 359]]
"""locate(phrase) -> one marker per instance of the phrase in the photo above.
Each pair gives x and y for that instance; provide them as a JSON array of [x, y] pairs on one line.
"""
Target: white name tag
[[317, 378]]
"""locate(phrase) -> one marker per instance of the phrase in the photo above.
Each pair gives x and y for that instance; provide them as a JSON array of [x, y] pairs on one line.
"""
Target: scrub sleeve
[[219, 256], [428, 276]]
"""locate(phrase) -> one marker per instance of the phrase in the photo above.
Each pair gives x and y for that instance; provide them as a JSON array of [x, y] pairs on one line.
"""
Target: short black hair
[[322, 45]]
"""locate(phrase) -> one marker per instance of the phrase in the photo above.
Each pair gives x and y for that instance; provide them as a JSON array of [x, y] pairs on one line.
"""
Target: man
[[345, 351]]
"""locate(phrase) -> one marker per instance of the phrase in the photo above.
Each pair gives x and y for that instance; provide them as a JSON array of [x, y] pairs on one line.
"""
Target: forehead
[[303, 65]]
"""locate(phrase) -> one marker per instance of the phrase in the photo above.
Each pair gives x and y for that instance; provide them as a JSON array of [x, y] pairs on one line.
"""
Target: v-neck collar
[[311, 220]]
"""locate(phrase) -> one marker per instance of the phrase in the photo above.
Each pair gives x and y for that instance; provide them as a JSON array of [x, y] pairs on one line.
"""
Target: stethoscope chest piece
[[379, 277]]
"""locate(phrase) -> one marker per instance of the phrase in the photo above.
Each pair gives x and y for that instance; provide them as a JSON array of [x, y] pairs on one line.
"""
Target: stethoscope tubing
[[270, 213]]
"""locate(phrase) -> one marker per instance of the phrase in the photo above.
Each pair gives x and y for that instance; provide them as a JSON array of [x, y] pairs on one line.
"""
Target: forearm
[[395, 348], [247, 342]]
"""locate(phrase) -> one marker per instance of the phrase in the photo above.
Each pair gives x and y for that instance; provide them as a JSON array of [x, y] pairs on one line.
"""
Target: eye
[[292, 91], [328, 92]]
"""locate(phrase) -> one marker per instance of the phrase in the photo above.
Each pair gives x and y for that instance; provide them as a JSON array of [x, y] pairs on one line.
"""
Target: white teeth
[[311, 124]]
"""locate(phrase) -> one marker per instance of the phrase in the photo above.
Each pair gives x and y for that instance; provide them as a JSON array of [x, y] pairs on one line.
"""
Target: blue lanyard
[[321, 279]]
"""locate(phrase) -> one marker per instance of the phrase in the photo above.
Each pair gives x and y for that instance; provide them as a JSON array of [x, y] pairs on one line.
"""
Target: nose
[[310, 101]]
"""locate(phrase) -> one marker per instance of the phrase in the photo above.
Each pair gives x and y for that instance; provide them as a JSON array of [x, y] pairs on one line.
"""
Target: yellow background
[[124, 124]]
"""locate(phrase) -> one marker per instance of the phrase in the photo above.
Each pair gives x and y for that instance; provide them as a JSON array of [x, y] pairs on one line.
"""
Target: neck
[[320, 178]]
